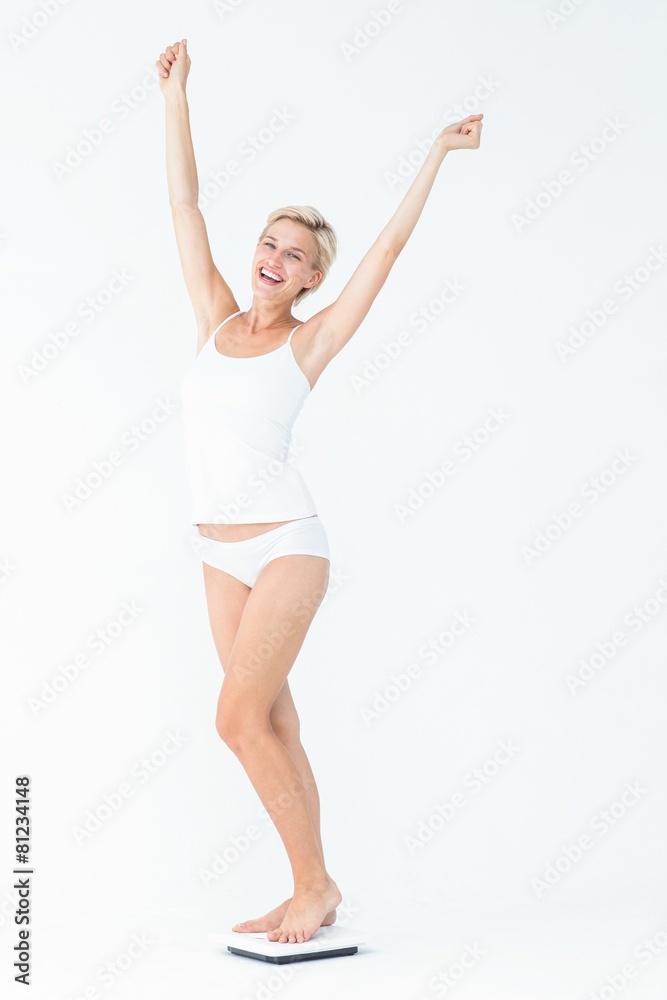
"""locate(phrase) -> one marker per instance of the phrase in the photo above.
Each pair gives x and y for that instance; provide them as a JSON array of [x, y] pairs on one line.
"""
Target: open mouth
[[269, 277]]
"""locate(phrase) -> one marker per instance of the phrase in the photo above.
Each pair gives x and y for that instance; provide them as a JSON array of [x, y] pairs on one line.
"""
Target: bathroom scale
[[327, 942]]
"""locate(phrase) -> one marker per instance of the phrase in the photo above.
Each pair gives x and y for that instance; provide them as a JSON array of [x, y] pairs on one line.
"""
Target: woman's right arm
[[211, 296]]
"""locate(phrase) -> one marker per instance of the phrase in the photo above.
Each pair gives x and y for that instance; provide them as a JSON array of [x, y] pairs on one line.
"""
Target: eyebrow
[[268, 237]]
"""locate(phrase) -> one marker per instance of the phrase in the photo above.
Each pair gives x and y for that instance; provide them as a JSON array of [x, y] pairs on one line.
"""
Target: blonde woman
[[265, 554]]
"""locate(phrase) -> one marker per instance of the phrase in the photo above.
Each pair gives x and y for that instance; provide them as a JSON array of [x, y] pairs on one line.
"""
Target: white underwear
[[246, 558]]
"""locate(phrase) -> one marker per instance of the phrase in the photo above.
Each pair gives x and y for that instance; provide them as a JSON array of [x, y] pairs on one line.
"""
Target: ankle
[[317, 879]]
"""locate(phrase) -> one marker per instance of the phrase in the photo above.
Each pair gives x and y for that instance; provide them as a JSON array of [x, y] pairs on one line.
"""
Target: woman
[[266, 558]]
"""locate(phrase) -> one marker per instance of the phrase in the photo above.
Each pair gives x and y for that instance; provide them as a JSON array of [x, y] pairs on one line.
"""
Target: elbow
[[184, 204], [393, 249]]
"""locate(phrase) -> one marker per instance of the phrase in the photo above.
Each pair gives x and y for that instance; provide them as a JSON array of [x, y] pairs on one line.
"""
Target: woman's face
[[286, 251]]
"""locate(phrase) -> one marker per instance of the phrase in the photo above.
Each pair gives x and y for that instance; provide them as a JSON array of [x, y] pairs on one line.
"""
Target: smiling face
[[286, 253]]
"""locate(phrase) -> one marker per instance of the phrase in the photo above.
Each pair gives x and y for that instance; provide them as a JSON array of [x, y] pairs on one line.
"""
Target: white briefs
[[245, 559]]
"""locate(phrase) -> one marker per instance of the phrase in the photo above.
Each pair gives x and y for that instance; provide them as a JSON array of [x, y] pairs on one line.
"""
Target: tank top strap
[[237, 313], [295, 328]]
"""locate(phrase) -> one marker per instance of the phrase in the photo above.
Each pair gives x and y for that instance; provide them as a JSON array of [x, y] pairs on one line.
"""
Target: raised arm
[[335, 325], [209, 293]]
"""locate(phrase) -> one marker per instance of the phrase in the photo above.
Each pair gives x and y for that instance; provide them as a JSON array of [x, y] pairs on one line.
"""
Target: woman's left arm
[[462, 135], [336, 324]]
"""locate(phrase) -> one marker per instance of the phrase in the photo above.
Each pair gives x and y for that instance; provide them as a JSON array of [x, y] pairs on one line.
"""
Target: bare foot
[[273, 919], [308, 907]]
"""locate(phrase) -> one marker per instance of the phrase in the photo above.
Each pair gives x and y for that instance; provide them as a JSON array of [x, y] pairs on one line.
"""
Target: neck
[[264, 316]]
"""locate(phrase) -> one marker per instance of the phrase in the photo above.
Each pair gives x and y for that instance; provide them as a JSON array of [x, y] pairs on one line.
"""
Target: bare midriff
[[237, 532]]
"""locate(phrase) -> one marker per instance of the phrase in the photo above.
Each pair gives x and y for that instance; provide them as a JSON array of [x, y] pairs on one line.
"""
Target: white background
[[361, 98]]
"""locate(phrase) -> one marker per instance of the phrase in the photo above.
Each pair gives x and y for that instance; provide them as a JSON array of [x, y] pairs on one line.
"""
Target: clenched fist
[[465, 134], [173, 66]]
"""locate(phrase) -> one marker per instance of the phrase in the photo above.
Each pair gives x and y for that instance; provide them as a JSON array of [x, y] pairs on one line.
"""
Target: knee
[[227, 726], [237, 728]]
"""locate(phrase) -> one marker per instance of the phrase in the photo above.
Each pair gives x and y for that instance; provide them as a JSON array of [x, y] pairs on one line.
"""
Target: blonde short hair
[[326, 243]]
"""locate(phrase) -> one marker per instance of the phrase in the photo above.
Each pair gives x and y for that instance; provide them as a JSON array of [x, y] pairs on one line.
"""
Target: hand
[[461, 135], [173, 66]]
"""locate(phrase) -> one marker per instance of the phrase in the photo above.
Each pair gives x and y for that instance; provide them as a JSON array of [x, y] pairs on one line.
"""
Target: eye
[[268, 243]]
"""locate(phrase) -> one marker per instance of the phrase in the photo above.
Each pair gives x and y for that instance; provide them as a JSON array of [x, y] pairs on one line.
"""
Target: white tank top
[[238, 415]]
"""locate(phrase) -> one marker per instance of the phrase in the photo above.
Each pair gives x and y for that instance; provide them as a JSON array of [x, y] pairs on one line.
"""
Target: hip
[[239, 532]]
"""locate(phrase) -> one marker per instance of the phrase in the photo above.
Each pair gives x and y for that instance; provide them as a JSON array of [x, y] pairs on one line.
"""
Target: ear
[[314, 279]]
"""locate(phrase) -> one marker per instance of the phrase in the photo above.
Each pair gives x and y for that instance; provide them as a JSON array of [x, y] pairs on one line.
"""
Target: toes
[[288, 937]]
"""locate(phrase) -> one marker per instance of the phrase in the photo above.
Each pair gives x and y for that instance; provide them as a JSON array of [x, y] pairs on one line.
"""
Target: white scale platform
[[327, 942]]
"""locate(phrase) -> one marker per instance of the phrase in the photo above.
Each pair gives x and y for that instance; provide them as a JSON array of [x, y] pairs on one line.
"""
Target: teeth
[[270, 274]]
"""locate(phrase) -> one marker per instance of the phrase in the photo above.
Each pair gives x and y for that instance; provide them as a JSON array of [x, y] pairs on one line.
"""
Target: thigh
[[274, 623], [225, 600]]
